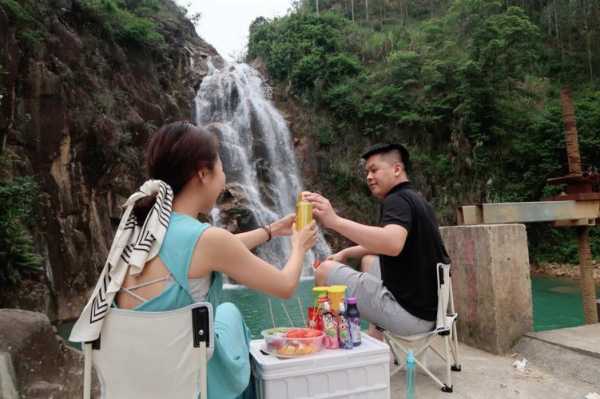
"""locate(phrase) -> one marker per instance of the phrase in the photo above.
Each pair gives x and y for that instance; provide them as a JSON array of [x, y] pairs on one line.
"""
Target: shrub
[[124, 24], [17, 11], [17, 252]]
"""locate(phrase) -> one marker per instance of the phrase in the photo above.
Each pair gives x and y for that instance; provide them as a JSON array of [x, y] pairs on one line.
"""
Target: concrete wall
[[491, 282]]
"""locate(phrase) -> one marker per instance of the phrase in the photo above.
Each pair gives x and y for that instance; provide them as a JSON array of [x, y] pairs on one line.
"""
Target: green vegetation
[[20, 12], [17, 251], [30, 30], [128, 21], [472, 86]]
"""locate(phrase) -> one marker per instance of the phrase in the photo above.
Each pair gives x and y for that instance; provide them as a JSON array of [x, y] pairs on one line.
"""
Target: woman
[[193, 254]]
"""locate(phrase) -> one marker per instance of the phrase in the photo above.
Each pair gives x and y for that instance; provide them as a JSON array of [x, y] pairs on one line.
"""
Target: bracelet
[[267, 228]]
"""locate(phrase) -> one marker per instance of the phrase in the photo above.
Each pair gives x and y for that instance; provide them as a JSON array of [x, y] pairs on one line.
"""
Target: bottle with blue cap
[[410, 375]]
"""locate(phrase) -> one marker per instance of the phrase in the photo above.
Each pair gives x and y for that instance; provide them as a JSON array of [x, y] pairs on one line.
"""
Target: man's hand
[[338, 257], [283, 226], [322, 209]]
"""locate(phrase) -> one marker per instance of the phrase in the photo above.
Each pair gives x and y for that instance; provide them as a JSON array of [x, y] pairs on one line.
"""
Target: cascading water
[[256, 151]]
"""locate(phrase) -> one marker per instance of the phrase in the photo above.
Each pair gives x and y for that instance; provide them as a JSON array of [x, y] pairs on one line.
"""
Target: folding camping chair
[[152, 354], [445, 328]]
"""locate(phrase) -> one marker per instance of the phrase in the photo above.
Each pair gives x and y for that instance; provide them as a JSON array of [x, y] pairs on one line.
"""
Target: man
[[397, 289]]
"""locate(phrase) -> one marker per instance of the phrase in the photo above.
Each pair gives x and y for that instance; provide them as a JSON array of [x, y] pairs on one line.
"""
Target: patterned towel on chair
[[133, 245]]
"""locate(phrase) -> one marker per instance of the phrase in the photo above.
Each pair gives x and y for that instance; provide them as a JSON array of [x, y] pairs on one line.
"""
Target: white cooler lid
[[371, 351]]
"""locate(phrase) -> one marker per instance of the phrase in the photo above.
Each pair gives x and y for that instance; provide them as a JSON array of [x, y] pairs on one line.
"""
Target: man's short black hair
[[385, 148]]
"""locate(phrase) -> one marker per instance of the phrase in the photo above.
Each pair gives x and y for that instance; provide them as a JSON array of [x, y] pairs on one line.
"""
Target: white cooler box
[[359, 373]]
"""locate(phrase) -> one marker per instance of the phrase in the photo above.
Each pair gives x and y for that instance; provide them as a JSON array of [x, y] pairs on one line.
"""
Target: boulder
[[34, 362]]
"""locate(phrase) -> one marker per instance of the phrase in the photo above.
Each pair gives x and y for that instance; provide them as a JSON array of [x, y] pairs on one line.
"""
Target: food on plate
[[291, 342]]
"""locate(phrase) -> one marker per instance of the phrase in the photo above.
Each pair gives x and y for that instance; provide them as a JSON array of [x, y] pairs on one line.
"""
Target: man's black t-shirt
[[411, 276]]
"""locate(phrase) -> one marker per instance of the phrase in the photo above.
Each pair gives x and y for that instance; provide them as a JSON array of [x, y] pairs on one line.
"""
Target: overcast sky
[[224, 23]]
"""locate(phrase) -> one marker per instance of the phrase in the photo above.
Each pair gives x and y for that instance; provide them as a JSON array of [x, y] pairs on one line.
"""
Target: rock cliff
[[78, 104]]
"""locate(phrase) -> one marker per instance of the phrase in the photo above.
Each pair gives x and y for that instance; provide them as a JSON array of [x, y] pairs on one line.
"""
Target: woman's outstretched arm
[[219, 250], [253, 238]]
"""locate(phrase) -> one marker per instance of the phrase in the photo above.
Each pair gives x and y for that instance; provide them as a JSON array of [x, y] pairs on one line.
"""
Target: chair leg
[[456, 366], [395, 348], [399, 352], [434, 350], [203, 384], [448, 385], [87, 370], [430, 374]]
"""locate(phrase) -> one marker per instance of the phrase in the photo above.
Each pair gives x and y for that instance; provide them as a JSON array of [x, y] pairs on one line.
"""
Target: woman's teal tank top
[[176, 254]]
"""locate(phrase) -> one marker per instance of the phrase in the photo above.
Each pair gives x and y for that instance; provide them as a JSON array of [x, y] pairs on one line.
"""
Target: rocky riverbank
[[34, 362], [563, 270]]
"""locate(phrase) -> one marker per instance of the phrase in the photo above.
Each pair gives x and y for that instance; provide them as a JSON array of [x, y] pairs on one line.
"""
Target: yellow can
[[336, 294], [303, 213], [318, 291]]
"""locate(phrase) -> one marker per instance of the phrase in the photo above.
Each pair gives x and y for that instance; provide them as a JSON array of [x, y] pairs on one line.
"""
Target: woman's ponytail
[[143, 207]]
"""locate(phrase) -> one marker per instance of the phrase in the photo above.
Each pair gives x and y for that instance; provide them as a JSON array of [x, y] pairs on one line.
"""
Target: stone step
[[567, 352]]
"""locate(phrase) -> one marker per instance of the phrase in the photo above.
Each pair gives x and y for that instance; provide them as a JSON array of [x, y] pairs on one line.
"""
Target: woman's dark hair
[[174, 154]]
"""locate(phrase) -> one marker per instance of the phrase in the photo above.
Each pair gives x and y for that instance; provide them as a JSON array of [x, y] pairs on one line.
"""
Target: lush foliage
[[17, 252], [30, 30], [128, 21], [472, 86]]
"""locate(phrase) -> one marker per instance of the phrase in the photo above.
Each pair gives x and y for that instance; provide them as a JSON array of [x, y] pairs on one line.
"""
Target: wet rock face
[[77, 111], [234, 211]]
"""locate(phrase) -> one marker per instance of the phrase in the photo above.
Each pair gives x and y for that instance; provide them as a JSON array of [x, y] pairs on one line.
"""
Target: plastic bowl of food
[[292, 342]]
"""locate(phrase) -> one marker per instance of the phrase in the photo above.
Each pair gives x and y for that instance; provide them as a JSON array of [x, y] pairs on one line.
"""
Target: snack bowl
[[292, 342]]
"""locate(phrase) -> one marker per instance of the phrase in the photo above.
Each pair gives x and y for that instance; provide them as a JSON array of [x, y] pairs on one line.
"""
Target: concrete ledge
[[582, 339], [567, 352]]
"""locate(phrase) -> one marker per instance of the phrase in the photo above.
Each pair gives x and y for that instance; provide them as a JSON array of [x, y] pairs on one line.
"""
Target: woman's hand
[[283, 226], [304, 239]]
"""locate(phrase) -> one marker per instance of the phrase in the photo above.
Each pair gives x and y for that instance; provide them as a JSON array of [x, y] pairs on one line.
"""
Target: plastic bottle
[[317, 322], [344, 328], [410, 375], [353, 316], [330, 341], [336, 294]]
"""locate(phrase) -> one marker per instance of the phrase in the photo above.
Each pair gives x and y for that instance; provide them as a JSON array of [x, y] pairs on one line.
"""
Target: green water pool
[[556, 304], [261, 311]]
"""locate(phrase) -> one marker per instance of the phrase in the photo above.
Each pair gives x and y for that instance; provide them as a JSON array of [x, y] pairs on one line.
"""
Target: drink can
[[303, 214]]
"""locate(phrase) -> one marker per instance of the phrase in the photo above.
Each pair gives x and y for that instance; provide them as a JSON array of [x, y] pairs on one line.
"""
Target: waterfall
[[256, 150]]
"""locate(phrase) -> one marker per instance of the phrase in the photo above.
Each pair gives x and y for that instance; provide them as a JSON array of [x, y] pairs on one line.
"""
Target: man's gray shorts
[[375, 302]]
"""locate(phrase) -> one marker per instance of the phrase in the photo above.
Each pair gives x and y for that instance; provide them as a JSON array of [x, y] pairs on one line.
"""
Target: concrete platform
[[582, 339], [566, 352], [488, 376]]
